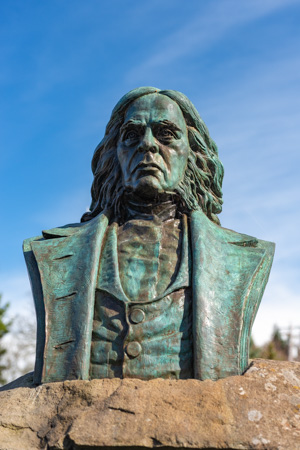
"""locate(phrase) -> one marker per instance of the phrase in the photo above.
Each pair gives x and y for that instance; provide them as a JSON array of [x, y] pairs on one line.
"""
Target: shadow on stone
[[23, 381]]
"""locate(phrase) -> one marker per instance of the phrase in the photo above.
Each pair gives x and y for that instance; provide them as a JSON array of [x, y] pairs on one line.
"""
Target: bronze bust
[[148, 284]]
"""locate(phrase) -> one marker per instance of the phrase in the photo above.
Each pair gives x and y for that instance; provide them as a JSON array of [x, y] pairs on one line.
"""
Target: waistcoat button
[[137, 316], [133, 349]]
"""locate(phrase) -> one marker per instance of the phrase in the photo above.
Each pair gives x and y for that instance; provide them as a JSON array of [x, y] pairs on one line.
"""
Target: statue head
[[156, 144]]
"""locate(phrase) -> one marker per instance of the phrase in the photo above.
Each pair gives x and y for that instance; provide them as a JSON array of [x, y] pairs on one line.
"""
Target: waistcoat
[[140, 332]]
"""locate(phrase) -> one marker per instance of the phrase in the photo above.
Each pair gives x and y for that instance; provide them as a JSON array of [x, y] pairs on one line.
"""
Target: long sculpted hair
[[202, 182]]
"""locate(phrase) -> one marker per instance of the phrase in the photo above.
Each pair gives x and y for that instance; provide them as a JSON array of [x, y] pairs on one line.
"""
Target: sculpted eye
[[131, 134], [165, 133]]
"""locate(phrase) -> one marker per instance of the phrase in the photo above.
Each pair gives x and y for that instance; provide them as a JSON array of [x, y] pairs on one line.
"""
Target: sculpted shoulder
[[202, 225], [64, 230], [244, 240]]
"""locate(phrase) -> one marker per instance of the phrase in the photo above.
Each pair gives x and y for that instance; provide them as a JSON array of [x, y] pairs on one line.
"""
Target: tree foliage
[[4, 329], [19, 360], [276, 348]]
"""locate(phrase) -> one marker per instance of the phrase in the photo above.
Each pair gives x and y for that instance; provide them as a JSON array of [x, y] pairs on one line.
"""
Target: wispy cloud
[[210, 25]]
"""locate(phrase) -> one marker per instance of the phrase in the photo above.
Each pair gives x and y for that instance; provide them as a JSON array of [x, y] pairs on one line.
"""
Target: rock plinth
[[259, 410]]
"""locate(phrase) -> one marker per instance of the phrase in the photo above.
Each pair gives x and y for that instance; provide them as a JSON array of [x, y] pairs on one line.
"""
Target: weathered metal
[[149, 284]]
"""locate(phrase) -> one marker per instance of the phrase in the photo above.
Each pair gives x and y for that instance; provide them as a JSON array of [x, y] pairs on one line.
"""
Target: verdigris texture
[[149, 284]]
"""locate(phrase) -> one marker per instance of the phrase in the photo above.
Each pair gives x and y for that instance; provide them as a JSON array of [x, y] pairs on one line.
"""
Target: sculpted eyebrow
[[130, 123], [169, 124]]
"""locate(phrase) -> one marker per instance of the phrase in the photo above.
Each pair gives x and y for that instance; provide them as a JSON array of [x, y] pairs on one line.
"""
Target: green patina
[[149, 280]]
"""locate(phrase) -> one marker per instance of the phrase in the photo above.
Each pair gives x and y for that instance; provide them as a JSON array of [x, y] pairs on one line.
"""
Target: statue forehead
[[155, 107]]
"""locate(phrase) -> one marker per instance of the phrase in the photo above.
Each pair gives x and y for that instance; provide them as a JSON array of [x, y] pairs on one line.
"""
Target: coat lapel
[[230, 271], [68, 266]]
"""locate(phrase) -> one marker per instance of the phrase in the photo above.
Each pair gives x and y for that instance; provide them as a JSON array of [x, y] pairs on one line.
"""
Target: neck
[[162, 208]]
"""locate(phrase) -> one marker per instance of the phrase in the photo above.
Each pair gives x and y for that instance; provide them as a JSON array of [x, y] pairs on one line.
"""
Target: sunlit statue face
[[153, 147]]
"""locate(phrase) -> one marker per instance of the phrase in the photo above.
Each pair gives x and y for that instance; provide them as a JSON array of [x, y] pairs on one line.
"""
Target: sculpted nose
[[148, 143]]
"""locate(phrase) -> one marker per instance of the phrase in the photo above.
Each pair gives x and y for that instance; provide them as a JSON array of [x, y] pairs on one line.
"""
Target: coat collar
[[72, 228]]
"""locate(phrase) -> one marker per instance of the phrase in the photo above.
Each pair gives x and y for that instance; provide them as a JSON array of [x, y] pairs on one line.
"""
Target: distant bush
[[4, 329]]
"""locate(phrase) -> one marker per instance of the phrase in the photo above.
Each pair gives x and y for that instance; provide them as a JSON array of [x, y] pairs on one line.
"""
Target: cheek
[[178, 163], [125, 160], [180, 156]]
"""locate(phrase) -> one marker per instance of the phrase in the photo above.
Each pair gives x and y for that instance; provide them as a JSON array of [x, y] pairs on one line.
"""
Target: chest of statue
[[143, 320]]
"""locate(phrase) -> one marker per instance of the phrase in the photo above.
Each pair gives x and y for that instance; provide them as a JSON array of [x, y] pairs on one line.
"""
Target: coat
[[229, 274]]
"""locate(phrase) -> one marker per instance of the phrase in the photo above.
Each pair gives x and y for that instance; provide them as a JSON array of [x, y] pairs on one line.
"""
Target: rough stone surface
[[259, 410]]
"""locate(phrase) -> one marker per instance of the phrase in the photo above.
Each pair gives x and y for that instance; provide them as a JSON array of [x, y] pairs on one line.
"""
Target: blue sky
[[64, 65]]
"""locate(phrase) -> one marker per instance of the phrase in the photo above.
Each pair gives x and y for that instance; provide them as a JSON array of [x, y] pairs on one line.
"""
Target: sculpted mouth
[[147, 167]]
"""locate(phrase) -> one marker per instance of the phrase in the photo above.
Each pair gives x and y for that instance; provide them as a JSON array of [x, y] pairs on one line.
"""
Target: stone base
[[259, 410]]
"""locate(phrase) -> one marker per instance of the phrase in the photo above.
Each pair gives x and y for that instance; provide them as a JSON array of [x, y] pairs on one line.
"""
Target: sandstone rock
[[259, 410]]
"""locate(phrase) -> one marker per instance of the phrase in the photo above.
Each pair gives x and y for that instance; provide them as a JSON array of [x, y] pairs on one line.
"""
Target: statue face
[[153, 147]]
